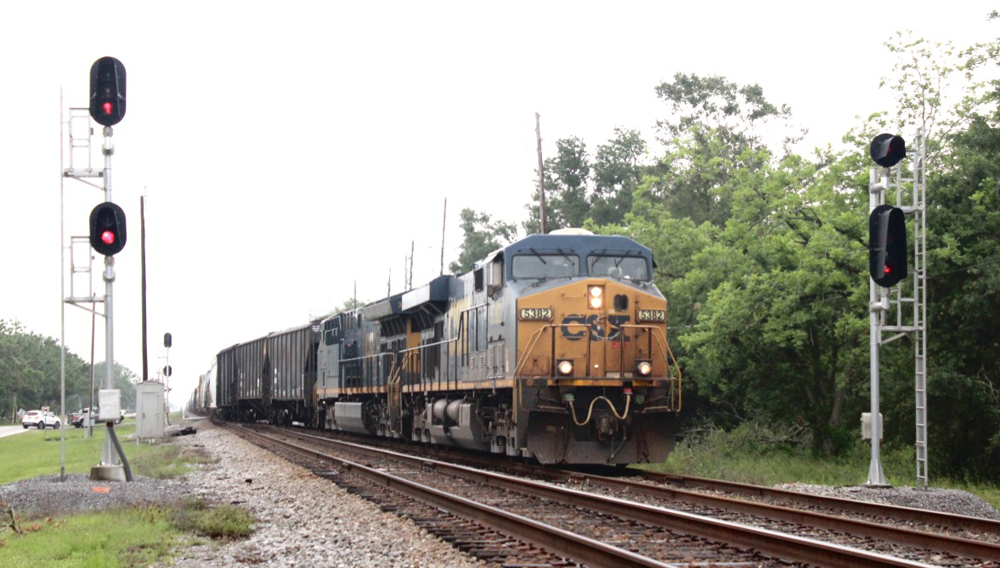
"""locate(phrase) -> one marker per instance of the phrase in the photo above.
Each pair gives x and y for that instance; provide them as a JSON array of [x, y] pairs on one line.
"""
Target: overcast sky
[[290, 149]]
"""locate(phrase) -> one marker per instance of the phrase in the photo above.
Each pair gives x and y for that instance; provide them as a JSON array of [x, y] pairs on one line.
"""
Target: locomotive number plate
[[652, 315], [536, 314]]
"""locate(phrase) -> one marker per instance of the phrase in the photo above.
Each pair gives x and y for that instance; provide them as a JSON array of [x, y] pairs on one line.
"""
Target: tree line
[[762, 253], [30, 375]]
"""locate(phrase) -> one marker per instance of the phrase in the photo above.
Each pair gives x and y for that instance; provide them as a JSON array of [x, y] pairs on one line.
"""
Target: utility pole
[[444, 224], [142, 256], [541, 174]]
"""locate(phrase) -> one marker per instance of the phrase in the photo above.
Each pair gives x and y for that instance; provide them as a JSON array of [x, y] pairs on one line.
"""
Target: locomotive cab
[[594, 374]]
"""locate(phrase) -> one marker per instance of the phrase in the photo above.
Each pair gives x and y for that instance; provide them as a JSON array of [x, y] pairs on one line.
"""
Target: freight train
[[553, 348]]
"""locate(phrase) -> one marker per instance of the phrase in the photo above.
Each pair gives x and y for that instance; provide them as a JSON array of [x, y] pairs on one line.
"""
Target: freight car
[[271, 378], [552, 348], [203, 398]]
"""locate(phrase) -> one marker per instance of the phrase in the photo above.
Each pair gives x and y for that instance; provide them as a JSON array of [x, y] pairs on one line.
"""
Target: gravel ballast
[[304, 520], [48, 497], [932, 499]]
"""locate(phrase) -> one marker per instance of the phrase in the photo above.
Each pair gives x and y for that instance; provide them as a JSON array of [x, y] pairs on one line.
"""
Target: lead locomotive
[[553, 348]]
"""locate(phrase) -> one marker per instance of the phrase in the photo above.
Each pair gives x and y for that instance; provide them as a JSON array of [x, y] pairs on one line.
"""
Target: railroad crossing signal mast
[[108, 237], [891, 293]]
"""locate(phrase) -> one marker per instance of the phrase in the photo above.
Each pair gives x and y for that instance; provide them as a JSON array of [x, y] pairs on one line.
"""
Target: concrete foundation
[[107, 473]]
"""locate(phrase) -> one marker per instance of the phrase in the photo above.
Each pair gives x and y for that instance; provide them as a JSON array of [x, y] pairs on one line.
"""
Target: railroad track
[[956, 535], [973, 536], [974, 527], [575, 526]]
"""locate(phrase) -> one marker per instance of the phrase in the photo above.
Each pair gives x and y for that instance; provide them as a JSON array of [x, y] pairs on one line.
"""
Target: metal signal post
[[107, 237], [892, 295], [109, 459]]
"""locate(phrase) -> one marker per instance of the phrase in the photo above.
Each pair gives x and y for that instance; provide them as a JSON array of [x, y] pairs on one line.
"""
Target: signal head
[[107, 229], [887, 245], [107, 91], [887, 150]]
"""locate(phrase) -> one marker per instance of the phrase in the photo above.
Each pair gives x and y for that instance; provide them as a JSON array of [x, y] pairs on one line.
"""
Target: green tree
[[618, 171], [30, 371], [348, 305], [781, 331], [964, 298], [578, 190], [481, 236], [938, 88], [713, 122], [566, 179], [124, 380]]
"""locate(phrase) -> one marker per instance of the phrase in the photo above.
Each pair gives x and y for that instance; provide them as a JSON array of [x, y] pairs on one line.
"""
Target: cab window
[[629, 267], [545, 266]]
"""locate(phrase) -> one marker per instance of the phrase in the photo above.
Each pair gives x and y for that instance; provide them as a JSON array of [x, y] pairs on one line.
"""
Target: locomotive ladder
[[394, 395]]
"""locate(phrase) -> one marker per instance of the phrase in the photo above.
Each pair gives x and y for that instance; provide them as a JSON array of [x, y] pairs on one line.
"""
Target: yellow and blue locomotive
[[553, 348]]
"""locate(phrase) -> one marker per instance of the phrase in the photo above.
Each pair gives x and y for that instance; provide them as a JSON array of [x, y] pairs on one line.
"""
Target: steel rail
[[771, 543], [903, 536], [571, 545], [950, 520]]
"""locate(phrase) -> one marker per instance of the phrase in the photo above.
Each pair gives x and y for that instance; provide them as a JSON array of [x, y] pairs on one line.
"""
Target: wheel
[[41, 424], [25, 426], [56, 427]]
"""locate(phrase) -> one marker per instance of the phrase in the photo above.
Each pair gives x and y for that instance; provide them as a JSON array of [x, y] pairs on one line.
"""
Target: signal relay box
[[866, 426]]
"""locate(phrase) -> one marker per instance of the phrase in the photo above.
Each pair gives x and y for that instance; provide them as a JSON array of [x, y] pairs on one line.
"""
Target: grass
[[85, 541], [140, 535], [167, 461], [37, 452], [224, 521], [740, 456]]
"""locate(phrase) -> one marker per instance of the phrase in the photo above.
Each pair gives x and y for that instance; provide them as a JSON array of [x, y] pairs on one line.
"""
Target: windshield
[[545, 265], [630, 267]]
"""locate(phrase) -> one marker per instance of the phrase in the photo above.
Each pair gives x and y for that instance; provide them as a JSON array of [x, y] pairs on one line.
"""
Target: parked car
[[40, 419], [79, 418]]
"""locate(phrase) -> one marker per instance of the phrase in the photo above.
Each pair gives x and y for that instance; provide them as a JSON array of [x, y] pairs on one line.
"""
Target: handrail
[[442, 342], [656, 332], [363, 357]]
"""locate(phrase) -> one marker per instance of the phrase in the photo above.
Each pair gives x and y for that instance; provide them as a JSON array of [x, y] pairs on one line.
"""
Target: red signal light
[[887, 245], [107, 229], [107, 92], [887, 150]]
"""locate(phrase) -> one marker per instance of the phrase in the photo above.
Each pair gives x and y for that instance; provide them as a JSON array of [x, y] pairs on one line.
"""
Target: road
[[11, 430]]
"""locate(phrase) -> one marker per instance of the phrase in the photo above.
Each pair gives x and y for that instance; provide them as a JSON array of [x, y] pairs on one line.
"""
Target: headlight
[[644, 368], [565, 367], [595, 297]]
